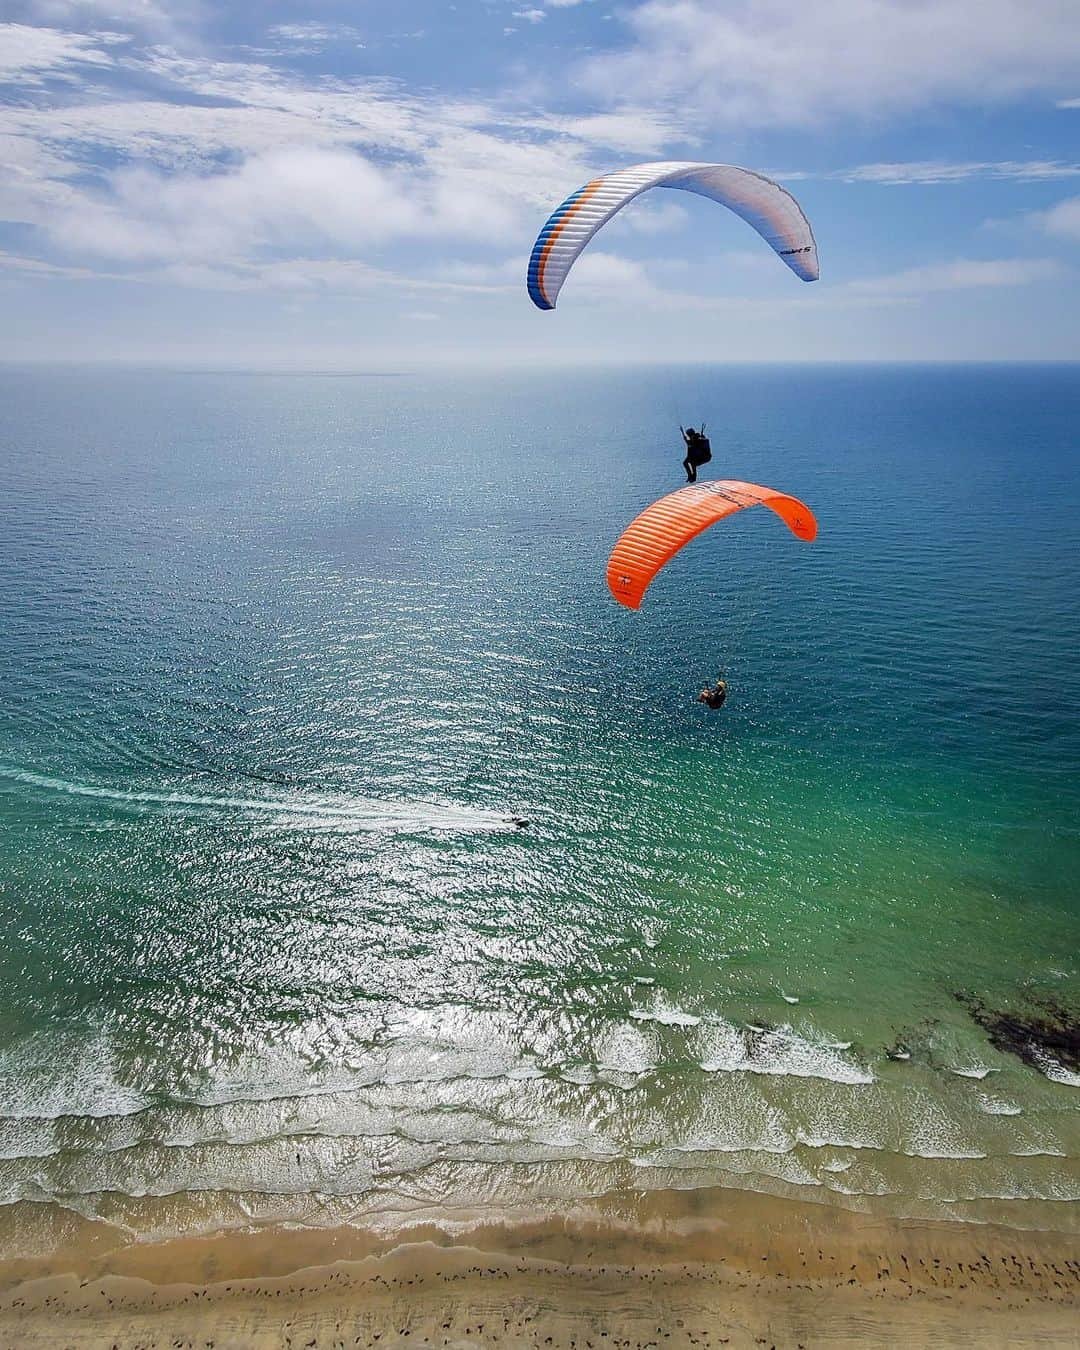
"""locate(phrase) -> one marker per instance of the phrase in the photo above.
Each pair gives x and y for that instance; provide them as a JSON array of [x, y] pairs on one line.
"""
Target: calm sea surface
[[280, 655]]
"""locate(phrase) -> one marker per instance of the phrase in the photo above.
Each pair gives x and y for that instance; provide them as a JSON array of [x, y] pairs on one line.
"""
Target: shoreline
[[702, 1268]]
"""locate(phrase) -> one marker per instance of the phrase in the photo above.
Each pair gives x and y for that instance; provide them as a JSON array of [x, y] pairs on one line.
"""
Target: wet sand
[[714, 1268]]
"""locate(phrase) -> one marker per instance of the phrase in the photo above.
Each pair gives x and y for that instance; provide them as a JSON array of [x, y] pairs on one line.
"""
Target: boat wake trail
[[296, 809]]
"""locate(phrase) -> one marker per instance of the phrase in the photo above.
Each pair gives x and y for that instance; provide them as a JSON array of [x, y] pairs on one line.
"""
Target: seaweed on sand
[[1048, 1032]]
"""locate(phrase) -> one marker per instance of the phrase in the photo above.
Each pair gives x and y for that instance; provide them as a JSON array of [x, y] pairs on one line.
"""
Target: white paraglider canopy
[[765, 205]]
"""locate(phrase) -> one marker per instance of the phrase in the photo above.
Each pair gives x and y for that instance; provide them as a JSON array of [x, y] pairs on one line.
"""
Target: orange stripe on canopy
[[662, 529]]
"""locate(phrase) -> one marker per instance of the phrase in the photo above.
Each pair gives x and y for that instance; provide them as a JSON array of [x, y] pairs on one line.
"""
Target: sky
[[303, 184]]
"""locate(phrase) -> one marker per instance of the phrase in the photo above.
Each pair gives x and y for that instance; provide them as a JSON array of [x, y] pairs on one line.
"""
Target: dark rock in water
[[1051, 1033], [914, 1042]]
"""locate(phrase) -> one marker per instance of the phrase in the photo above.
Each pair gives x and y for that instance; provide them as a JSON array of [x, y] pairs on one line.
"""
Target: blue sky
[[296, 183]]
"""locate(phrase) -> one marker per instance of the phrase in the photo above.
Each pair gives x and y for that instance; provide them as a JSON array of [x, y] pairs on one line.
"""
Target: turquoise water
[[279, 656]]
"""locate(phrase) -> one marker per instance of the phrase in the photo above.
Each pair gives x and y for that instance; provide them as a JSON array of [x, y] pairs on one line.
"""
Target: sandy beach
[[724, 1268]]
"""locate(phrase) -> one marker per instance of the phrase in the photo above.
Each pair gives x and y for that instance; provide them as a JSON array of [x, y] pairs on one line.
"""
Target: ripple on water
[[271, 704]]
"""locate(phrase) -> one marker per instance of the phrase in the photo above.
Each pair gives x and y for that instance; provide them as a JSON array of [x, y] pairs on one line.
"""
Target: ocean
[[282, 655]]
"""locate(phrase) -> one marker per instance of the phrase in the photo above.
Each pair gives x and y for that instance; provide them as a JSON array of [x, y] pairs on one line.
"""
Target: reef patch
[[1048, 1032]]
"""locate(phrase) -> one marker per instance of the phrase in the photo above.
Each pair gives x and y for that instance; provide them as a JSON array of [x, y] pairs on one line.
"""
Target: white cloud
[[112, 11], [1062, 220], [961, 275], [629, 130], [487, 275], [291, 276], [13, 263], [941, 171], [244, 157], [238, 108], [599, 275], [282, 197], [293, 198], [784, 62], [239, 114], [530, 15], [309, 37], [651, 217], [164, 20], [27, 53], [602, 273], [35, 181], [596, 274], [246, 175], [240, 158]]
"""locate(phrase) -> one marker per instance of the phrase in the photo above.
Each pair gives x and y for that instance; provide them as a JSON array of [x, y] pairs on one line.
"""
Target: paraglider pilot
[[698, 451], [714, 698]]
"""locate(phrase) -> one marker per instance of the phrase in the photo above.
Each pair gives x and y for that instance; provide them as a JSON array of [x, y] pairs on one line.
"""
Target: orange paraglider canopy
[[662, 529]]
